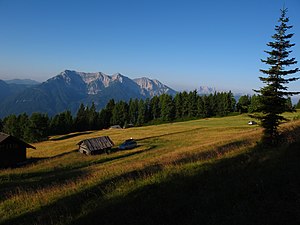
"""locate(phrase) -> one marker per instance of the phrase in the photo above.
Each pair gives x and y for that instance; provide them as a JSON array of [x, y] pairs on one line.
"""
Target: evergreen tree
[[178, 105], [38, 128], [273, 95], [11, 125], [298, 105], [23, 125], [69, 122], [255, 104], [220, 100], [120, 113], [243, 104], [116, 116], [206, 107], [231, 102], [54, 126], [185, 104], [81, 120], [109, 109], [133, 110], [141, 113], [200, 107], [167, 108], [61, 123], [155, 107], [104, 119], [1, 125], [148, 110], [210, 105], [92, 117], [289, 105], [192, 104], [213, 103]]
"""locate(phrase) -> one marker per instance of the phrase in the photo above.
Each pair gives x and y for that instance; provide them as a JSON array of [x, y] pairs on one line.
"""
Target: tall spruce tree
[[1, 125], [274, 94], [298, 104]]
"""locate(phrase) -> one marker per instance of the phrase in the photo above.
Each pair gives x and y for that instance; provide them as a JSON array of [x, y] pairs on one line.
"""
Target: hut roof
[[116, 127], [4, 137], [98, 143]]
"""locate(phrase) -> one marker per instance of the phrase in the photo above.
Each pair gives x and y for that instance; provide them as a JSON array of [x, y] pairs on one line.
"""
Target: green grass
[[206, 171]]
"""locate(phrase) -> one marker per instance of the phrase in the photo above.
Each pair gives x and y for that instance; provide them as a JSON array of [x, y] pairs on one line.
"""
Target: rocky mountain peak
[[153, 87], [118, 77], [92, 77], [206, 90], [144, 83]]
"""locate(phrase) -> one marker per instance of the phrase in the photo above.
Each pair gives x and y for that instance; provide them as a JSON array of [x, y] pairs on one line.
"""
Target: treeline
[[159, 109], [251, 104]]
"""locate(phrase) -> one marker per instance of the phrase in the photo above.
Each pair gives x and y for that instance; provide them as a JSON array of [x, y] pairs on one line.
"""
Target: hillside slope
[[10, 88], [202, 171]]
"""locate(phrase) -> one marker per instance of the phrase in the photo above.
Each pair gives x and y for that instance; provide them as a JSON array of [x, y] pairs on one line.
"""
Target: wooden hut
[[12, 150], [95, 146], [115, 127]]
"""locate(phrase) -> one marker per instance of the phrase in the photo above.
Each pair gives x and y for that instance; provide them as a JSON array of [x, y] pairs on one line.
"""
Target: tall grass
[[62, 186]]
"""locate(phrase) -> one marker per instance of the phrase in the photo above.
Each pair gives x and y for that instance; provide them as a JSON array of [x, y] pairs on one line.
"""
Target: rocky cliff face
[[150, 88]]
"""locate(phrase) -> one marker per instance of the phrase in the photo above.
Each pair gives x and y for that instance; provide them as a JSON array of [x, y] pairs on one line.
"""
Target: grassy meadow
[[207, 171]]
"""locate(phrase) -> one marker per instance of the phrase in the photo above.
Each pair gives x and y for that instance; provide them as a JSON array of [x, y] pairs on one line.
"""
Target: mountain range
[[204, 90], [69, 89]]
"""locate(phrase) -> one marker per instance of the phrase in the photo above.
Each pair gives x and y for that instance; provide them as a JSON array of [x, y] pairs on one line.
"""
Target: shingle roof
[[4, 136], [98, 143]]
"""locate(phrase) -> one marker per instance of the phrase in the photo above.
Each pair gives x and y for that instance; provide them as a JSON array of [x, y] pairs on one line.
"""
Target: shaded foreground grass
[[200, 172], [250, 188]]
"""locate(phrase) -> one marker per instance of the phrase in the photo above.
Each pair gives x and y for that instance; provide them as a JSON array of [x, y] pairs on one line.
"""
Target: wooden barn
[[95, 146], [12, 150]]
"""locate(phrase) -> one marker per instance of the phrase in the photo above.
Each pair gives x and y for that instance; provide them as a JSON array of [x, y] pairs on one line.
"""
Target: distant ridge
[[67, 90], [205, 90], [22, 81], [10, 88]]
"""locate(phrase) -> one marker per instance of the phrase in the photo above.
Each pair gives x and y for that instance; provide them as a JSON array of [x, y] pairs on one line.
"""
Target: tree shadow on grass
[[168, 134], [56, 176], [67, 136], [213, 153], [33, 181], [33, 160], [257, 187]]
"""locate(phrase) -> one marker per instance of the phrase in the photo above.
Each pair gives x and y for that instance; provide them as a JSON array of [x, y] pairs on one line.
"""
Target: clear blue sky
[[183, 43]]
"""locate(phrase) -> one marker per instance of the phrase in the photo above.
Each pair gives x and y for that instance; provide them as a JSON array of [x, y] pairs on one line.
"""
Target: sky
[[182, 43]]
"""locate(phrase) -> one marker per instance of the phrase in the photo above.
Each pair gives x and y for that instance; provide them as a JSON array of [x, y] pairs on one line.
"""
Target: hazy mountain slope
[[4, 90], [22, 81], [10, 88]]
